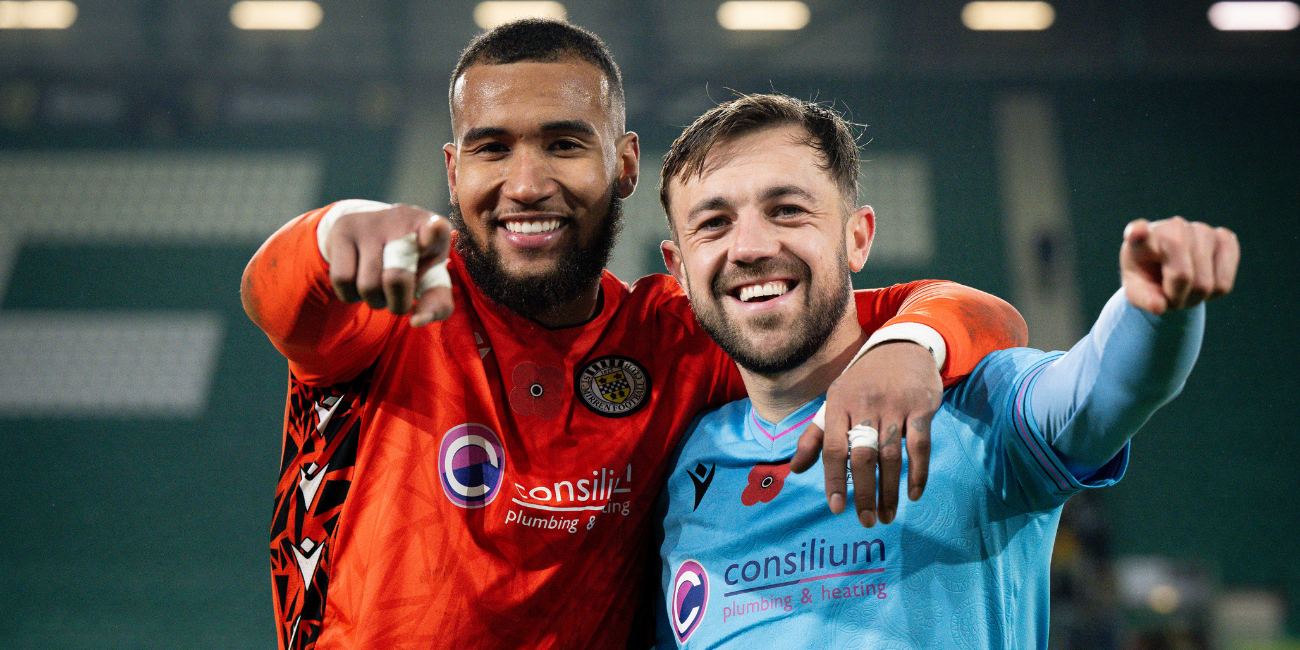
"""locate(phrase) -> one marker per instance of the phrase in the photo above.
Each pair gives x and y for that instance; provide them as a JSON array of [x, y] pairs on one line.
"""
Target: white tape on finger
[[863, 435], [436, 276], [402, 253]]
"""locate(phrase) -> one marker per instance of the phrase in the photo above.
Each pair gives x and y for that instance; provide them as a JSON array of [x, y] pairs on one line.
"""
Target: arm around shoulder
[[972, 323]]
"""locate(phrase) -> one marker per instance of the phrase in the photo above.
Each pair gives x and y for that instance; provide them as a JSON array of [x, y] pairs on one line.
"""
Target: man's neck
[[776, 396], [575, 312]]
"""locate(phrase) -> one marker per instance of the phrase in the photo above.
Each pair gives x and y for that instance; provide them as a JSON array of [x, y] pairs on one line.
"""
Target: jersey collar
[[783, 436]]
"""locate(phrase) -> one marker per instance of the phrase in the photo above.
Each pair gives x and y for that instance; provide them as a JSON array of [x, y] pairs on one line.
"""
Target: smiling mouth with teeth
[[765, 291], [532, 227]]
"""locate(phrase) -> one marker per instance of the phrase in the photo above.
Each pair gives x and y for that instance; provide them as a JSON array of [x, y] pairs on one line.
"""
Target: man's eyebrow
[[715, 203], [581, 127], [782, 191], [480, 132], [578, 127], [770, 194]]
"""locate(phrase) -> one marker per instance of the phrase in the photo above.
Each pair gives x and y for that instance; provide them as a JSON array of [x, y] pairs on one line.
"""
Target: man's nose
[[529, 177], [754, 238]]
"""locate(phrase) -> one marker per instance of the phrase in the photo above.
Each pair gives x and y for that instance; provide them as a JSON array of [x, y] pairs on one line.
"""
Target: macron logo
[[701, 477]]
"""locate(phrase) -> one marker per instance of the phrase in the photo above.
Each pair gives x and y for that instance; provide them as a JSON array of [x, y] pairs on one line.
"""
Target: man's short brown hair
[[827, 132]]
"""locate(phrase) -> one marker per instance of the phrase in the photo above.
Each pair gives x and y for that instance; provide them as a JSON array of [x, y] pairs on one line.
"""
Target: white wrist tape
[[864, 435], [337, 210], [922, 335]]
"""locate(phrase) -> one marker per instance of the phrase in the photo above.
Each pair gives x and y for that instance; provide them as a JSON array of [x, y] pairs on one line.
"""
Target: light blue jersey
[[753, 558]]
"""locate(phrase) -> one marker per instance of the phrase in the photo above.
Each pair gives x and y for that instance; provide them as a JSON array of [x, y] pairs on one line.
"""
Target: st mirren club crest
[[613, 386]]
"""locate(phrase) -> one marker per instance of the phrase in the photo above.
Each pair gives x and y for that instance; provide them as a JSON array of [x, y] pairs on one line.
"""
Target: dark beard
[[823, 315], [533, 296]]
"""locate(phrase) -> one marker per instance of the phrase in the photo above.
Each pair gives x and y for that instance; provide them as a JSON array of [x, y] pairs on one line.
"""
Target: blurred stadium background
[[148, 146]]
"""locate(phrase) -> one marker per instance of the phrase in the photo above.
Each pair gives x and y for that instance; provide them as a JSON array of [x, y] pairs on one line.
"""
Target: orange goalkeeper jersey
[[484, 482]]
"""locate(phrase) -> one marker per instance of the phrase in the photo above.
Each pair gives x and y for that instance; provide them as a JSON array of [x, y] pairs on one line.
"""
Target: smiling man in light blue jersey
[[760, 195]]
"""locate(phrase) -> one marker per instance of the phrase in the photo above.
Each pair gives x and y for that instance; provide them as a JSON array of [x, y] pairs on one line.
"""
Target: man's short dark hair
[[827, 132], [542, 41]]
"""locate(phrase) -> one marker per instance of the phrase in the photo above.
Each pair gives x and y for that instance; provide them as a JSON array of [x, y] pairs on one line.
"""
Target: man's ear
[[673, 260], [858, 235], [449, 153], [628, 151]]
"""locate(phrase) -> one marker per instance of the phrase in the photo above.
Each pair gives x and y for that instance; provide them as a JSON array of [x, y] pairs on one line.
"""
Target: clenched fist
[[387, 257], [1176, 264]]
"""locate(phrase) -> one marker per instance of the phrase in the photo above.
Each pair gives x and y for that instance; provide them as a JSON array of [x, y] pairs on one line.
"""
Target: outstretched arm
[[1088, 403], [1137, 356], [303, 285]]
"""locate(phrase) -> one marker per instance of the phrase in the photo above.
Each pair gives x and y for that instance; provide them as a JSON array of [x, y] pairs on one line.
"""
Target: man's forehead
[[497, 90], [784, 148]]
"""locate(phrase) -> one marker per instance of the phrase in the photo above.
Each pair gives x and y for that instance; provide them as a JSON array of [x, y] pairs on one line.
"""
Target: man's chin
[[532, 283], [531, 268], [767, 325]]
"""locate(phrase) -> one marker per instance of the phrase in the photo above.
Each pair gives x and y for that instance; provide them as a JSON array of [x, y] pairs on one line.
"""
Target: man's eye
[[492, 148], [789, 211], [713, 224], [565, 145]]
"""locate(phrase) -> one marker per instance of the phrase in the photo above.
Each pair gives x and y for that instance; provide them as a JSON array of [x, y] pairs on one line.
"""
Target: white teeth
[[753, 291], [532, 227]]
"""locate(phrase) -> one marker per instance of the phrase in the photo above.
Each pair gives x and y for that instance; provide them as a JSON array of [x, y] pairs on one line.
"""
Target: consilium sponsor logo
[[689, 598], [473, 463]]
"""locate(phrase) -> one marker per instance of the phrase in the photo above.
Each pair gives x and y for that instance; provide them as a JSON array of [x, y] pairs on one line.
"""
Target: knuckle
[[1179, 235], [368, 286], [891, 454], [340, 274], [921, 445]]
